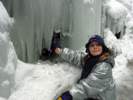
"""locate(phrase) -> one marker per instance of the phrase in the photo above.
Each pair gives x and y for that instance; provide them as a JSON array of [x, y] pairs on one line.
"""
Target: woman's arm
[[73, 57]]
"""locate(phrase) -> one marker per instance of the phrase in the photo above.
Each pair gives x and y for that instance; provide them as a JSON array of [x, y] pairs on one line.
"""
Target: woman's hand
[[58, 51]]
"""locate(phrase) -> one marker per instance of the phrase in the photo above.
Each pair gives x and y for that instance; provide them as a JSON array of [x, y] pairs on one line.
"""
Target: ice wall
[[35, 21], [86, 21]]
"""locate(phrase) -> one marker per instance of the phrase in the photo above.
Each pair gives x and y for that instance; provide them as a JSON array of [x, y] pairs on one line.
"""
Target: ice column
[[35, 21]]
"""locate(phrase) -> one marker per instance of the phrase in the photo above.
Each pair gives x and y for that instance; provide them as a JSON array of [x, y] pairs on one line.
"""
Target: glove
[[65, 96], [49, 53], [45, 54], [55, 41]]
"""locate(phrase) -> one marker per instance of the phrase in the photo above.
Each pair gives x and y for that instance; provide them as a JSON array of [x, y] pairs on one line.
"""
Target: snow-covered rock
[[122, 73]]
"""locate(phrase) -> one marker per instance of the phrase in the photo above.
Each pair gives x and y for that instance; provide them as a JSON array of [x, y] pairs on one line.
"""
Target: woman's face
[[95, 49]]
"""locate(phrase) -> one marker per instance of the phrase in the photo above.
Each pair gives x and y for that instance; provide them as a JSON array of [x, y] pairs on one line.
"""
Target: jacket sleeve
[[73, 57], [98, 81]]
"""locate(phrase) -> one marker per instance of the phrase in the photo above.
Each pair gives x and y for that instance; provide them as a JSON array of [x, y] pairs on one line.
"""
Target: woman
[[96, 82]]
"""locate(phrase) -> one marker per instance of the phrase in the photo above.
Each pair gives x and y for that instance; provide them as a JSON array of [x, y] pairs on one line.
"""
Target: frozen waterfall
[[35, 21]]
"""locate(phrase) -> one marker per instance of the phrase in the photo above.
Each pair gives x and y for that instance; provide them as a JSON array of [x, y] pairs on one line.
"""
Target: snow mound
[[115, 9], [43, 81], [112, 42]]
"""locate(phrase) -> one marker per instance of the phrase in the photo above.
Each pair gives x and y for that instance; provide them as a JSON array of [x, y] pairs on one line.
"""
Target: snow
[[111, 41], [126, 3], [114, 16], [122, 46], [8, 58], [47, 80], [43, 81], [115, 9], [122, 71]]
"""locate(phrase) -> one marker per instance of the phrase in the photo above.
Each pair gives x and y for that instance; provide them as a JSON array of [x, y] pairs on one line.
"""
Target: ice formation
[[47, 80]]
